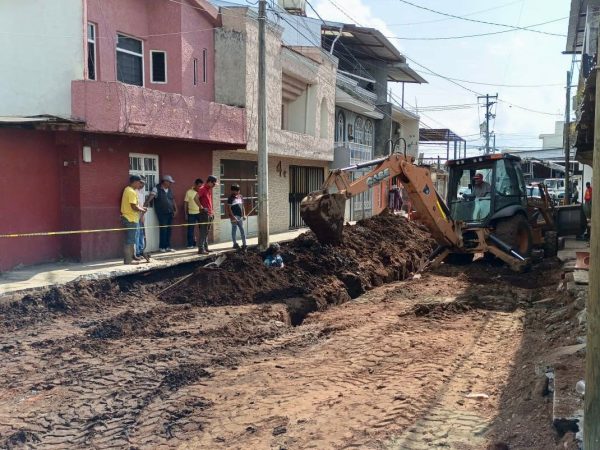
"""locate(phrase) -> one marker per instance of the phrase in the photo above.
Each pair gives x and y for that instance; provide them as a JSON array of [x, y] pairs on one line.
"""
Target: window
[[91, 48], [195, 71], [158, 67], [146, 166], [369, 133], [358, 131], [204, 56], [341, 122], [130, 60]]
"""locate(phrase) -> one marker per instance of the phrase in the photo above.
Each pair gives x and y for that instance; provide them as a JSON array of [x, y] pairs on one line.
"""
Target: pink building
[[115, 87]]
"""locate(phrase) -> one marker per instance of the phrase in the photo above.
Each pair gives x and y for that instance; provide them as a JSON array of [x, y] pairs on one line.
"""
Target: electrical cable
[[479, 21]]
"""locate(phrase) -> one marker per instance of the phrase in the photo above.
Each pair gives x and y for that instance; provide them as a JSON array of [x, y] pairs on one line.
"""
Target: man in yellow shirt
[[191, 211], [130, 216]]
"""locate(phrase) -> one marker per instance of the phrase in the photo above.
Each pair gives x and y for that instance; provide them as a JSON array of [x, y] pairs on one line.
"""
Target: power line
[[500, 84], [479, 21], [464, 36], [451, 18]]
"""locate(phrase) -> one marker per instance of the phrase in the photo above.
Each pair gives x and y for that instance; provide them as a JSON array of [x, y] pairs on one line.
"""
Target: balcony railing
[[359, 153]]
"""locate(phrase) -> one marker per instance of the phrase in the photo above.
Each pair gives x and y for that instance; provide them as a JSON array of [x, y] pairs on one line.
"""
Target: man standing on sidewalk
[[587, 200], [166, 208], [130, 217], [192, 212], [204, 201], [140, 235]]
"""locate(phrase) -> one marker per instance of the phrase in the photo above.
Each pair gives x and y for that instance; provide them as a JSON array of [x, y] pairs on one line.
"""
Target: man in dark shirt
[[165, 208], [207, 215], [237, 215]]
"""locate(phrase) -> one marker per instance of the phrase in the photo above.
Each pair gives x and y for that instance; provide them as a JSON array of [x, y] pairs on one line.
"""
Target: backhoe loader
[[487, 209]]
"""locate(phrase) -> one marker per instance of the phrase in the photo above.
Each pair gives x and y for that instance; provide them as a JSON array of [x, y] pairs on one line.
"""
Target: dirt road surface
[[444, 360]]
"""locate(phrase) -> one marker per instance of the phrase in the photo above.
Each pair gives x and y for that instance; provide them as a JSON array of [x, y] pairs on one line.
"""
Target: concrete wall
[[33, 196], [42, 50], [279, 188], [61, 192], [111, 107], [175, 27], [307, 64]]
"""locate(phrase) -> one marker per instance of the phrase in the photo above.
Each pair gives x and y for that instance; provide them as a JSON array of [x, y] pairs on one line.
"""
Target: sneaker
[[236, 246], [202, 252], [244, 247], [169, 249], [163, 250], [206, 249], [189, 247]]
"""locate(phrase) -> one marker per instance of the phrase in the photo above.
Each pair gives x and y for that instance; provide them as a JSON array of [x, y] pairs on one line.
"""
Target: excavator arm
[[323, 211]]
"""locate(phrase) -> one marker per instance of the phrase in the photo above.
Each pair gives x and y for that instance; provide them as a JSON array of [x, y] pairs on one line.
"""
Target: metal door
[[147, 166], [303, 180]]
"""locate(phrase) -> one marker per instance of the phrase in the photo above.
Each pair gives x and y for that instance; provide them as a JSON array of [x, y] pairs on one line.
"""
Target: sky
[[511, 58]]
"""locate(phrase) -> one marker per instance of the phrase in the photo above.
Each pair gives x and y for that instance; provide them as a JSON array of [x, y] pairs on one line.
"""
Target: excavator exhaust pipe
[[323, 213]]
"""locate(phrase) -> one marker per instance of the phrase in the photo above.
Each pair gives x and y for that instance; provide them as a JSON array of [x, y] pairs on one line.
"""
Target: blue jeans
[[165, 231], [140, 239], [239, 223], [130, 232], [193, 219]]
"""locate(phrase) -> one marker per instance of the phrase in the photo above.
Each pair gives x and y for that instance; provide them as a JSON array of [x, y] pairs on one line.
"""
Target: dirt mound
[[378, 250]]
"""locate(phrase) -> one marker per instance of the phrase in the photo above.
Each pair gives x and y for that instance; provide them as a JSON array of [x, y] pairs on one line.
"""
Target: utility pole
[[263, 151], [488, 116], [591, 417], [567, 141]]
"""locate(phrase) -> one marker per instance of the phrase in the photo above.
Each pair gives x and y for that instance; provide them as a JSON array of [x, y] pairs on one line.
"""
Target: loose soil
[[216, 361]]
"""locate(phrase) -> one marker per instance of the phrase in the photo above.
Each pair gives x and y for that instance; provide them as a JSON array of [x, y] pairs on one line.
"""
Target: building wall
[[42, 50], [32, 173], [57, 191], [237, 84], [279, 188], [175, 27]]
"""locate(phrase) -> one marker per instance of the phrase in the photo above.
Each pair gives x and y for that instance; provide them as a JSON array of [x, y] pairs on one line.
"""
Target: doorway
[[147, 166]]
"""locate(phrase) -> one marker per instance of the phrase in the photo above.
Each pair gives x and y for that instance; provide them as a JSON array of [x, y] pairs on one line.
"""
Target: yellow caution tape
[[64, 233]]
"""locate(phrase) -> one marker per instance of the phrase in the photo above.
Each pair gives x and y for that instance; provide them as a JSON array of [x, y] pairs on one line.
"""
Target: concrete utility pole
[[567, 141], [591, 419], [263, 151], [488, 116]]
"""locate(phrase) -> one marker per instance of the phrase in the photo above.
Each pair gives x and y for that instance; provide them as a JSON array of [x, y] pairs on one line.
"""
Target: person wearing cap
[[130, 217], [204, 202], [480, 188], [237, 214], [140, 235], [192, 211], [165, 208]]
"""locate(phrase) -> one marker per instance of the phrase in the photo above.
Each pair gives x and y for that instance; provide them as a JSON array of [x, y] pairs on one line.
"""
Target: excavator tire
[[516, 232], [459, 259], [550, 244]]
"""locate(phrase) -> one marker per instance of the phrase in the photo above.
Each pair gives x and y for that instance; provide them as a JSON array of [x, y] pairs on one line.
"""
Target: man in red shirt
[[587, 200], [204, 200]]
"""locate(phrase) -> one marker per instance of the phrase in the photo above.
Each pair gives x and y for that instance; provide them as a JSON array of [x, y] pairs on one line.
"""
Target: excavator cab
[[485, 188]]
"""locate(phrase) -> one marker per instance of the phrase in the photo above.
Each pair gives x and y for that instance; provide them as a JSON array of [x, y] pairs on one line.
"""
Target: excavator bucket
[[324, 214]]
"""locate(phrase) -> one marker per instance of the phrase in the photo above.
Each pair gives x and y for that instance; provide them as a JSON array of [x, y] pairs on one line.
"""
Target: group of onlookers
[[198, 210]]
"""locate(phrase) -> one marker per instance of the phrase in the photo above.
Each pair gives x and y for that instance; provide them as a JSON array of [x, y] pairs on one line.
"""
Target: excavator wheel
[[516, 232], [323, 213], [459, 259]]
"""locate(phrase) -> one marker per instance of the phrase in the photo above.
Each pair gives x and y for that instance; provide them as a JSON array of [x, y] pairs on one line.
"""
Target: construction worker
[[207, 215], [273, 257], [480, 188], [165, 208], [191, 211], [130, 217]]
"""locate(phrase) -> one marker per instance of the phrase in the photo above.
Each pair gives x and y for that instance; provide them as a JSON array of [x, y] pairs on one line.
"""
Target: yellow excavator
[[487, 209]]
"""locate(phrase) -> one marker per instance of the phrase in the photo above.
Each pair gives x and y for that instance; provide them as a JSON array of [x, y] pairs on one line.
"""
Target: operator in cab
[[480, 188]]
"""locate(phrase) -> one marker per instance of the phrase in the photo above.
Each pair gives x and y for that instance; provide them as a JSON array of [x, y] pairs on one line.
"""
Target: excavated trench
[[375, 251]]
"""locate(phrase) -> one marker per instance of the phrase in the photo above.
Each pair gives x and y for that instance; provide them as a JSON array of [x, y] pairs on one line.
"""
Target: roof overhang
[[33, 120], [370, 43], [345, 100], [577, 24], [436, 135], [399, 113]]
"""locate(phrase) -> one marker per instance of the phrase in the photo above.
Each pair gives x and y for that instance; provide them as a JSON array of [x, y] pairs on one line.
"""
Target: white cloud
[[356, 9]]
